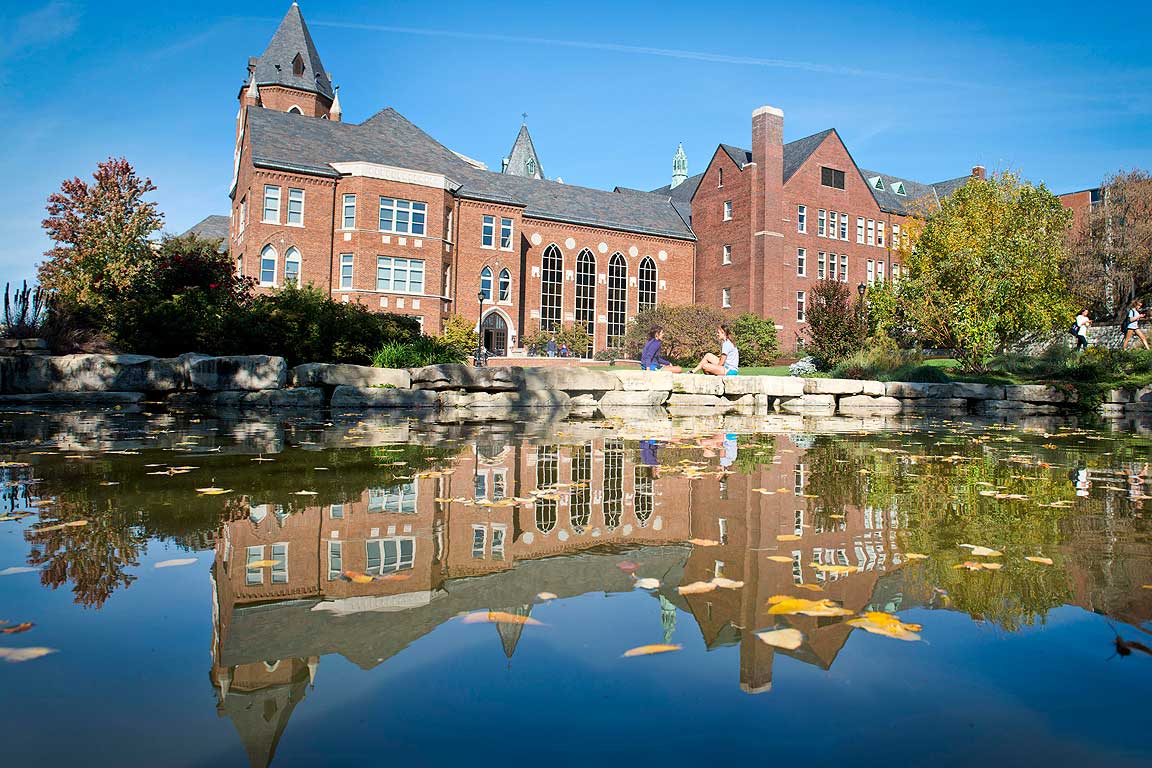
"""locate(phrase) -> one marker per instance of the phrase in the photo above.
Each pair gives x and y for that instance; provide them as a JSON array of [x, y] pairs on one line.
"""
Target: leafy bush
[[755, 337], [805, 366], [25, 311], [689, 332], [574, 335], [888, 364], [424, 350], [461, 332], [610, 354], [836, 326]]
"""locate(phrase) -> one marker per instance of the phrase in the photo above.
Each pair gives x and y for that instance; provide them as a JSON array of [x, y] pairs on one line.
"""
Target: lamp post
[[480, 329], [861, 289]]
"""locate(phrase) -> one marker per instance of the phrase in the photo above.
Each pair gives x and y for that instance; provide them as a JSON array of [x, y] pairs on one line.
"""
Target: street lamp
[[479, 328], [860, 289]]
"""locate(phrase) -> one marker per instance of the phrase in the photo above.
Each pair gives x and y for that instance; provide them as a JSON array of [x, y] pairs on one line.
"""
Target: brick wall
[[713, 233]]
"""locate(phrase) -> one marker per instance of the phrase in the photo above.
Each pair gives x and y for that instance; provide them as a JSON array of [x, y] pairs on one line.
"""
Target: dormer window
[[898, 188], [877, 183], [298, 65]]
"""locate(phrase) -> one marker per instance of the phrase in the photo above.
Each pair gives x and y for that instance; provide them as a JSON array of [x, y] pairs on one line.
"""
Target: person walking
[[650, 358], [728, 363], [1132, 324], [1081, 329]]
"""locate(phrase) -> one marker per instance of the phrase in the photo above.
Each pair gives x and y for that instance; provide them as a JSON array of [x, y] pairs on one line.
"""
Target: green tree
[[755, 337], [836, 323], [461, 333], [985, 269]]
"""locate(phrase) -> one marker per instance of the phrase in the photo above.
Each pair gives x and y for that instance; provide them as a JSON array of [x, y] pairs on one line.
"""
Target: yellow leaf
[[789, 639], [60, 527], [213, 491], [979, 551], [500, 617], [782, 604], [779, 559], [17, 628], [545, 596], [810, 587], [703, 542], [914, 556], [358, 578], [697, 588], [1041, 560], [262, 564], [13, 655], [787, 537], [834, 568], [879, 623], [727, 583], [648, 650]]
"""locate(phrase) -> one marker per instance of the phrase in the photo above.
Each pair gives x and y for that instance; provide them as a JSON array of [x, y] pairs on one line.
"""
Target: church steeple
[[522, 160], [289, 75], [679, 166]]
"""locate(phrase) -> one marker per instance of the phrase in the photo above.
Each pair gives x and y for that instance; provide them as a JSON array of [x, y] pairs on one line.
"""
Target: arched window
[[617, 299], [580, 497], [268, 266], [613, 483], [292, 267], [298, 65], [551, 288], [505, 285], [486, 283], [295, 110], [644, 497], [586, 293], [646, 284], [547, 477]]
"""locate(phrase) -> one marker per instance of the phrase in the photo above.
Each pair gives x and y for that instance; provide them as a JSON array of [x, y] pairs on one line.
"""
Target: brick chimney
[[978, 171], [766, 208]]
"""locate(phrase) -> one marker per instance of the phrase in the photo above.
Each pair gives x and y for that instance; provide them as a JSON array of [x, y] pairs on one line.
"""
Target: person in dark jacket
[[650, 359]]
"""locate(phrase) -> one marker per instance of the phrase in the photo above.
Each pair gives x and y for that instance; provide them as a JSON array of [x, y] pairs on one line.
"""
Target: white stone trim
[[766, 110], [392, 173]]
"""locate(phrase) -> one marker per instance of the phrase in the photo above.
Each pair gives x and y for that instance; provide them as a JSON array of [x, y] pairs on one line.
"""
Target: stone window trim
[[271, 210], [295, 208], [488, 232]]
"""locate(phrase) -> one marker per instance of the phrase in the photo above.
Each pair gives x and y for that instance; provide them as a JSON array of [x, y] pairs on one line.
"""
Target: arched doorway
[[494, 333]]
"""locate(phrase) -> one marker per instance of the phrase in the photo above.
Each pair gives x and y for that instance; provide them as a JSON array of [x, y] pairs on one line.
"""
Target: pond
[[266, 590]]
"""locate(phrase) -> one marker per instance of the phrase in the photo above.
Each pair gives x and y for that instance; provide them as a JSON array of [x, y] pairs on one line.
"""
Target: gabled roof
[[945, 188], [910, 203], [310, 145], [523, 160], [796, 152], [274, 67], [210, 227], [739, 155]]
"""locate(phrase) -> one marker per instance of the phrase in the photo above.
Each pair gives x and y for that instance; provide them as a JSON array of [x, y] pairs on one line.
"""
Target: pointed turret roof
[[278, 64], [522, 160]]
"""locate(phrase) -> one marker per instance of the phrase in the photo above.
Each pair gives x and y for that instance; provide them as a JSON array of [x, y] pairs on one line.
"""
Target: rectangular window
[[820, 261], [871, 232], [726, 297], [844, 227], [389, 555], [871, 271], [727, 210], [271, 204], [801, 262], [488, 232], [801, 218], [505, 234], [243, 213], [880, 234], [479, 541], [832, 274], [404, 217], [336, 512], [349, 212], [498, 532], [895, 235], [399, 275], [346, 261], [253, 576], [860, 230], [895, 272], [727, 255], [280, 563], [240, 265], [830, 177], [296, 207], [799, 306], [880, 270], [821, 222], [843, 268], [719, 177], [335, 559], [832, 224]]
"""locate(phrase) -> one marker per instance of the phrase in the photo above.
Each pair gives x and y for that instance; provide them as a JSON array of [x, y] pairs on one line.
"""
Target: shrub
[[836, 324], [577, 338], [461, 332], [805, 366], [424, 350], [25, 311], [888, 364], [689, 332], [755, 337], [610, 354]]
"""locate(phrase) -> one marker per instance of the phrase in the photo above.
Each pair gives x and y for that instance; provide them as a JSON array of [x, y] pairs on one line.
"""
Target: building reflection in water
[[596, 504]]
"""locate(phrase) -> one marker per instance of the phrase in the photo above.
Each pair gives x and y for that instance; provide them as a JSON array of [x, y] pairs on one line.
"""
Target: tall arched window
[[505, 285], [617, 299], [486, 283], [613, 483], [292, 267], [646, 284], [547, 477], [586, 292], [268, 266], [551, 288], [580, 497]]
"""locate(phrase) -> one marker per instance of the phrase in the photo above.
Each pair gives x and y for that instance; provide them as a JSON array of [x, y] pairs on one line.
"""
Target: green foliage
[[755, 337], [986, 269], [836, 325], [461, 333], [689, 332], [572, 334], [424, 350], [888, 364]]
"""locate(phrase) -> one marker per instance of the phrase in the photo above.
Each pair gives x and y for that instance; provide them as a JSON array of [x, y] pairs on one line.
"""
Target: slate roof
[[681, 195], [310, 145], [274, 67], [909, 204], [796, 152], [524, 150], [211, 227], [739, 155]]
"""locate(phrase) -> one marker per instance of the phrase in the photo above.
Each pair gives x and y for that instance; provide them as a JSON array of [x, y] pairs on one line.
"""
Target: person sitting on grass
[[1132, 324], [728, 363], [650, 359]]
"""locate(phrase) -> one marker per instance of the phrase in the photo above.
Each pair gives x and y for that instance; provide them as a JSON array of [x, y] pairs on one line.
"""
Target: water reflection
[[448, 521]]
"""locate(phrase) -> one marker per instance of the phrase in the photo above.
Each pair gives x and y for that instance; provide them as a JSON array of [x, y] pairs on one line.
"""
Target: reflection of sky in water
[[226, 663]]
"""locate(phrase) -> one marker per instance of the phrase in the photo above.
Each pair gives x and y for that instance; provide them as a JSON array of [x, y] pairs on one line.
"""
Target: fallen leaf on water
[[789, 639], [727, 583], [25, 569], [304, 493], [783, 604], [1041, 560], [13, 655], [810, 587], [60, 526], [358, 578], [213, 491], [6, 518], [834, 568], [648, 650], [545, 596], [879, 623], [703, 542], [779, 559], [696, 588], [982, 551], [500, 617], [16, 629], [787, 537], [627, 566], [914, 556], [647, 583], [175, 563], [974, 566], [394, 577], [261, 563]]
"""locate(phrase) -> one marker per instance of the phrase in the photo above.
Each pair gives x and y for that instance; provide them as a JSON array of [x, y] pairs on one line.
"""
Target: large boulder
[[639, 381], [866, 405], [383, 397], [698, 401], [548, 398], [1036, 393], [468, 378], [936, 404], [83, 399], [906, 390], [634, 398], [344, 375], [238, 372], [809, 405], [569, 378], [298, 397], [697, 384], [773, 386], [833, 386]]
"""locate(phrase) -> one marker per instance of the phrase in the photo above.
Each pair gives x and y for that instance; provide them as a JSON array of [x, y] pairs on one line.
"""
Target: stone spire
[[522, 160], [291, 58], [335, 113], [679, 166]]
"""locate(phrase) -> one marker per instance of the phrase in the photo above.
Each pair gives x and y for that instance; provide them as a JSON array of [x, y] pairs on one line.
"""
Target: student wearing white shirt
[[1132, 324], [1082, 323], [728, 363]]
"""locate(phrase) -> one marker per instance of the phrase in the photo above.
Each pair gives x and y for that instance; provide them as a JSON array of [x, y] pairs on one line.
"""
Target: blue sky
[[923, 90]]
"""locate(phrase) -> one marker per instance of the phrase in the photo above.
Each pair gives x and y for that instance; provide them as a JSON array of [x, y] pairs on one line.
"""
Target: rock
[[297, 397], [550, 398], [1113, 410], [746, 402], [1142, 395], [242, 372], [677, 399], [1120, 396], [638, 381], [584, 401], [697, 384], [977, 391], [809, 405], [634, 398], [906, 390], [647, 418], [833, 386], [382, 397], [569, 379], [468, 378], [1036, 393], [936, 404], [74, 398], [773, 386], [873, 388], [865, 405], [343, 375]]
